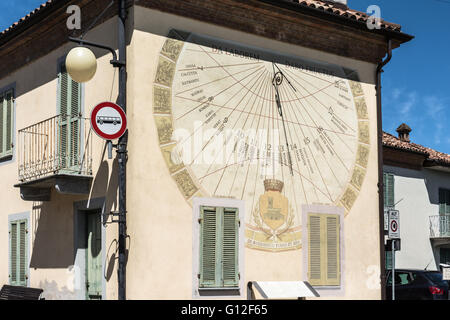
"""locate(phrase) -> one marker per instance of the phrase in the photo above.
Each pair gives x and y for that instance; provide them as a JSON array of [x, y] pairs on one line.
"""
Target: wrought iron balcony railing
[[59, 145], [440, 226]]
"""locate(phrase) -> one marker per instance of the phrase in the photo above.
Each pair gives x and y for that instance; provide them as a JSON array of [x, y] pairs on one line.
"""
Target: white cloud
[[396, 93], [437, 110], [408, 103], [434, 105]]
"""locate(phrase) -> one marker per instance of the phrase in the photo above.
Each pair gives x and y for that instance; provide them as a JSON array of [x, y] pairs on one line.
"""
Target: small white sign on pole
[[394, 224], [446, 273], [386, 219]]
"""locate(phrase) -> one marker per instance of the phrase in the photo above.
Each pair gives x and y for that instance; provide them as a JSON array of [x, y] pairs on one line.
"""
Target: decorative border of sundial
[[182, 175]]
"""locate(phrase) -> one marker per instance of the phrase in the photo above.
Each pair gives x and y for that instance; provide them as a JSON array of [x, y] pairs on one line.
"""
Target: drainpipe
[[380, 169], [122, 152]]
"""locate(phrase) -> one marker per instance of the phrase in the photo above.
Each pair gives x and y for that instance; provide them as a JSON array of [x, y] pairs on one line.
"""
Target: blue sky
[[416, 84]]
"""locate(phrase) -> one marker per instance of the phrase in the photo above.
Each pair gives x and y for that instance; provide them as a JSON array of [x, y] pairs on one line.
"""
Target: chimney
[[403, 132]]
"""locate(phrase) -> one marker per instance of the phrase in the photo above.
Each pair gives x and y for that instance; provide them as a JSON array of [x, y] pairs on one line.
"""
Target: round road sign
[[108, 121], [394, 226]]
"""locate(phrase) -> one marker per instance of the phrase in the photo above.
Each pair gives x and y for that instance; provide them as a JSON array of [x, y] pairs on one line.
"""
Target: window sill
[[219, 288], [219, 292], [5, 158]]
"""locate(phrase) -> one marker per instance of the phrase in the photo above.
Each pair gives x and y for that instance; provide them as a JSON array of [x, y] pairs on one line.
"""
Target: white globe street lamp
[[81, 64]]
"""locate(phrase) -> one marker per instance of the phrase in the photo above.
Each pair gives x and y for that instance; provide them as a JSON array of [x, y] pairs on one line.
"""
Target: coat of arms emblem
[[273, 210]]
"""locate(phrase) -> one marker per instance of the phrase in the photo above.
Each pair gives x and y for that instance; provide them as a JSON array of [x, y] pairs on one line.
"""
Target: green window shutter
[[9, 123], [13, 259], [324, 267], [75, 109], [444, 201], [230, 247], [6, 123], [94, 256], [208, 247], [22, 253], [63, 111], [388, 257], [18, 253], [219, 247], [69, 105], [388, 181]]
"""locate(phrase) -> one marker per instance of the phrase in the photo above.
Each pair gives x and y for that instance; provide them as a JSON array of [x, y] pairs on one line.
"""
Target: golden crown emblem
[[273, 185]]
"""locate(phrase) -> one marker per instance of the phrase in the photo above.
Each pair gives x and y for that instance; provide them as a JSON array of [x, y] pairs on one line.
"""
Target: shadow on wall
[[53, 240], [112, 256], [111, 193], [53, 222]]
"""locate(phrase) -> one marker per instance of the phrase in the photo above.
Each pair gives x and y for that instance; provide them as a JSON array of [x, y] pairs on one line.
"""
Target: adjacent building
[[417, 183], [253, 150]]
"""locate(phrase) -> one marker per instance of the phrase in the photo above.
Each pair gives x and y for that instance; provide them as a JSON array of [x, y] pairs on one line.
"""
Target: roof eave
[[436, 164], [360, 25], [425, 154], [34, 18]]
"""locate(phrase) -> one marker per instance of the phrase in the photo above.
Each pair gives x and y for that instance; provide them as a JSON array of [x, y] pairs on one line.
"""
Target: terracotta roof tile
[[334, 8], [22, 20], [439, 157], [343, 11]]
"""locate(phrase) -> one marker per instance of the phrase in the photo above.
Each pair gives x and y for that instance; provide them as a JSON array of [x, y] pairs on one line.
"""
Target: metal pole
[[380, 169], [122, 154], [393, 269]]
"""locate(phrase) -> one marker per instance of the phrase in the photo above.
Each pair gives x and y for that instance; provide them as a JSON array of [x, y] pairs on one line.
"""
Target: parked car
[[413, 284]]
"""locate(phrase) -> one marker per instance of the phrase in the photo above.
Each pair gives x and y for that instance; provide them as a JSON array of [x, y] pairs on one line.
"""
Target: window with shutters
[[18, 256], [388, 182], [444, 202], [324, 253], [6, 123], [219, 247], [444, 255], [69, 106]]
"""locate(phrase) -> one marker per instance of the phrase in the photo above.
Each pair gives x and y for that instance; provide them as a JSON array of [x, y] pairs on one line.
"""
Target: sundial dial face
[[274, 130]]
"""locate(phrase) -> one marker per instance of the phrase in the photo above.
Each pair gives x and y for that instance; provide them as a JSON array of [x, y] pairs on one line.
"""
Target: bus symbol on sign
[[109, 120]]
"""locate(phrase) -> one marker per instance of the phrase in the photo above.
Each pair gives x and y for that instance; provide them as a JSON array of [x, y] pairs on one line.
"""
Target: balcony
[[56, 152], [440, 226]]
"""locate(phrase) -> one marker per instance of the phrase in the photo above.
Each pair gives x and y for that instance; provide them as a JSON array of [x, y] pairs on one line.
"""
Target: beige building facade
[[252, 154]]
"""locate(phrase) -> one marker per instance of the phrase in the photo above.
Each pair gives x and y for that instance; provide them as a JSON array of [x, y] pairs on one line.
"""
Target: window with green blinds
[[444, 202], [219, 246], [388, 182], [444, 254], [69, 105], [6, 123], [18, 260]]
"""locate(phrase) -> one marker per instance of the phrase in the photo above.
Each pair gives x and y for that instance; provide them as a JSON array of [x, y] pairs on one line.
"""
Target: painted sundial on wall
[[275, 130]]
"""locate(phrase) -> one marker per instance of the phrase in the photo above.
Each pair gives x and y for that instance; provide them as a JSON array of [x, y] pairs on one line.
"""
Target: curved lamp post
[[81, 64]]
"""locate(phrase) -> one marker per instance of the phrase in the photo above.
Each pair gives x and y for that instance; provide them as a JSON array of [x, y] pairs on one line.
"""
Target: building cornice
[[288, 22]]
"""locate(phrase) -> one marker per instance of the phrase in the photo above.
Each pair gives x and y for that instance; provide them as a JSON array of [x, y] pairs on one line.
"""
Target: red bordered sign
[[394, 224], [108, 121]]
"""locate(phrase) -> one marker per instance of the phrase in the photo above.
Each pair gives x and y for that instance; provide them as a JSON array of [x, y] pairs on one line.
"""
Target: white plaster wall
[[51, 223], [160, 220], [417, 195]]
